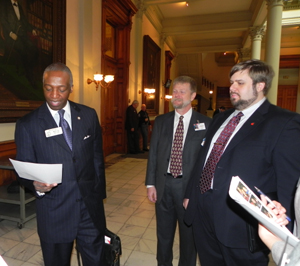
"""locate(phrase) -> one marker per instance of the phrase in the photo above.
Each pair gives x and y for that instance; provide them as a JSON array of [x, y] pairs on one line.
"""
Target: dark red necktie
[[216, 153], [176, 153]]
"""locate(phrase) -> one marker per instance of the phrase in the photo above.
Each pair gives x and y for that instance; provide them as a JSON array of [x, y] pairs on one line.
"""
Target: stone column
[[275, 8], [256, 34]]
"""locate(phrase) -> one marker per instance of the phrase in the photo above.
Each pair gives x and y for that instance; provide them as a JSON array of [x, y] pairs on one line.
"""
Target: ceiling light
[[187, 3]]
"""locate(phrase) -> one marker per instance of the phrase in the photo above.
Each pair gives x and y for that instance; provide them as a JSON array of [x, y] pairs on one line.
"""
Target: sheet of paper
[[244, 196], [45, 173], [2, 262]]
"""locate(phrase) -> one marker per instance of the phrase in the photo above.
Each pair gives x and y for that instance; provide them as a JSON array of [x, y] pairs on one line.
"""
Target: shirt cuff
[[40, 193]]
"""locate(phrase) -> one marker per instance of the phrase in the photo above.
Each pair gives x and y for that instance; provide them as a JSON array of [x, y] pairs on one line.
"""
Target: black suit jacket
[[263, 153], [160, 149], [10, 22], [83, 177], [132, 118]]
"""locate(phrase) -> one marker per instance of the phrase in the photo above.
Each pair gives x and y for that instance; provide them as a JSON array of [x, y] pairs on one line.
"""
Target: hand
[[43, 187], [266, 236], [151, 193], [185, 203], [279, 211], [13, 36], [132, 129]]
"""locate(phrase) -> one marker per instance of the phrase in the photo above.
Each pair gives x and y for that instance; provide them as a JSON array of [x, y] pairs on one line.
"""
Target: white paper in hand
[[244, 196], [45, 173]]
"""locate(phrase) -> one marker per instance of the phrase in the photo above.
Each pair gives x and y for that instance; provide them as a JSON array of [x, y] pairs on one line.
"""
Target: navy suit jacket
[[263, 153], [83, 177], [161, 145]]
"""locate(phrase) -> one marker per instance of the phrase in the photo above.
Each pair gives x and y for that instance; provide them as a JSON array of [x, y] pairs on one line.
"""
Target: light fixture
[[187, 3], [168, 97], [149, 91], [102, 80]]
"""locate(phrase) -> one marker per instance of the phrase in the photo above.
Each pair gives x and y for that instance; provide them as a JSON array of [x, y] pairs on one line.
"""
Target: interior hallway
[[128, 213]]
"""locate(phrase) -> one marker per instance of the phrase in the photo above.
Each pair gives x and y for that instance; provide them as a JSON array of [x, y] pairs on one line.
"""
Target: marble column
[[275, 8], [256, 34]]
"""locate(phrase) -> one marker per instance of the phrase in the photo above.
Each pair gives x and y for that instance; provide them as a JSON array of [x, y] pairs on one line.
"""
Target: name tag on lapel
[[199, 126], [53, 132]]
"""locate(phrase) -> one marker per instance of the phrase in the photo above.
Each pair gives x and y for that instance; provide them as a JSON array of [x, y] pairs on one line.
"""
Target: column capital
[[142, 8], [257, 33], [271, 3], [163, 38]]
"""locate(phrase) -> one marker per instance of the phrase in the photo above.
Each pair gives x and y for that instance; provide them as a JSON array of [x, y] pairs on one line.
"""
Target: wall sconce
[[102, 80], [149, 91], [168, 97]]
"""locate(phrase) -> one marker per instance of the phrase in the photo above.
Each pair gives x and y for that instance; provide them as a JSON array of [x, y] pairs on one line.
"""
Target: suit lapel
[[76, 124], [169, 125], [47, 121], [249, 126]]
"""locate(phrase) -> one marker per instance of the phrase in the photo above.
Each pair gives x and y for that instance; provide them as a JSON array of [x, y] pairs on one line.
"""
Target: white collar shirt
[[67, 114]]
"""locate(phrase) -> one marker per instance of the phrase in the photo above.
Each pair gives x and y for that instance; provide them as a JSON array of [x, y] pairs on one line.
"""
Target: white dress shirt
[[67, 114]]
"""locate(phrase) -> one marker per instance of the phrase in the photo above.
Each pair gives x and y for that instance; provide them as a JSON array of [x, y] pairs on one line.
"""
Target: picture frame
[[41, 40], [151, 74]]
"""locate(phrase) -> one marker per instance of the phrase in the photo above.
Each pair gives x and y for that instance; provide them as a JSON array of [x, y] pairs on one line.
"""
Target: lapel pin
[[252, 124], [78, 117]]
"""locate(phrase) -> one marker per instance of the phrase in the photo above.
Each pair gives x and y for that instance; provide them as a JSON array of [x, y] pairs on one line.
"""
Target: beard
[[243, 104], [181, 103]]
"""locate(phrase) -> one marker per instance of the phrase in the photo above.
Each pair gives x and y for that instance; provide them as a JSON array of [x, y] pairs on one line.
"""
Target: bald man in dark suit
[[72, 210]]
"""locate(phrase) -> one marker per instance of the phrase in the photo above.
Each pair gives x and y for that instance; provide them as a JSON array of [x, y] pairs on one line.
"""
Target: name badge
[[199, 126], [53, 132]]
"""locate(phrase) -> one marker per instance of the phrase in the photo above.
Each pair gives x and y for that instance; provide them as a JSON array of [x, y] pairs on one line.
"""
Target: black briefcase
[[112, 249]]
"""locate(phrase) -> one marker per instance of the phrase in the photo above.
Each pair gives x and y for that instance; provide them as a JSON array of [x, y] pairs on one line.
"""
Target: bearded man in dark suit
[[164, 187], [263, 150]]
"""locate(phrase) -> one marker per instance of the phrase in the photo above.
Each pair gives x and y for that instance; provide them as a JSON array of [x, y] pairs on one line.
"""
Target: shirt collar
[[66, 108], [250, 110], [187, 115]]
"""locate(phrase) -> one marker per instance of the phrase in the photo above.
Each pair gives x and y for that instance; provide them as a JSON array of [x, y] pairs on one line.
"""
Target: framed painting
[[32, 36], [151, 75]]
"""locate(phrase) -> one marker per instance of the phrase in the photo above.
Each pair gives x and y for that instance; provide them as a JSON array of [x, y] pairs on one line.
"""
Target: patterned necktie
[[176, 153], [216, 153], [67, 132]]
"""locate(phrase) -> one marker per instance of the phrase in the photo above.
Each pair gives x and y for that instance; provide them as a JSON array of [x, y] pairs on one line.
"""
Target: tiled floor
[[128, 213]]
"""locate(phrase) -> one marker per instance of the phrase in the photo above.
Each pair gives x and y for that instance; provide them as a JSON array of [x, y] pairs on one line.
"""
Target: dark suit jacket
[[58, 212], [132, 118], [263, 153], [10, 22], [161, 145]]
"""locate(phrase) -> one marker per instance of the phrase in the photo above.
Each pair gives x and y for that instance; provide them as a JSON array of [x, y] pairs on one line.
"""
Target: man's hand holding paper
[[45, 174], [43, 187]]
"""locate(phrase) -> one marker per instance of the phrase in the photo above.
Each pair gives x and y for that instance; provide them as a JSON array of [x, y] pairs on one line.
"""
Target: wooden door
[[108, 113], [287, 97], [116, 27]]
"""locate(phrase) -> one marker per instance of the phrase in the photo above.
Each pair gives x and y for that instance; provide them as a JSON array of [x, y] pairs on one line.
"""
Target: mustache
[[231, 93]]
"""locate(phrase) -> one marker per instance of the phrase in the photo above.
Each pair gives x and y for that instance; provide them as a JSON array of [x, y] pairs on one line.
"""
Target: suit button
[[74, 160]]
